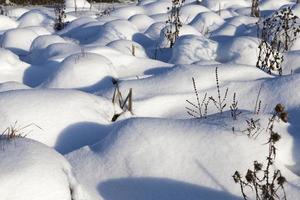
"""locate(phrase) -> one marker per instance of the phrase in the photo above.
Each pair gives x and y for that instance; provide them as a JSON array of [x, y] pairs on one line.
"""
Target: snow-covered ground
[[59, 90]]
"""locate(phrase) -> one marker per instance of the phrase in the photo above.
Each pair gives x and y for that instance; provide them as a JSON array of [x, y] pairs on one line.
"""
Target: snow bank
[[11, 68], [216, 5], [67, 119], [190, 11], [7, 23], [239, 50], [40, 174], [17, 12], [128, 47], [157, 7], [127, 11], [190, 48], [142, 22], [19, 45], [207, 22], [12, 85], [39, 45], [115, 30], [34, 18], [82, 70], [184, 30], [186, 151], [80, 4]]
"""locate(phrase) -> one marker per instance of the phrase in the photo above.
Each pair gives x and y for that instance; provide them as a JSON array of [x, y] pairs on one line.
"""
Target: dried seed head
[[279, 108], [236, 177], [257, 166], [249, 176], [281, 180], [275, 137], [284, 116]]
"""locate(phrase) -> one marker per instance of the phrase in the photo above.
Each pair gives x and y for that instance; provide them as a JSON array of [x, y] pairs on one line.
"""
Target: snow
[[40, 171], [190, 48], [103, 102], [18, 45]]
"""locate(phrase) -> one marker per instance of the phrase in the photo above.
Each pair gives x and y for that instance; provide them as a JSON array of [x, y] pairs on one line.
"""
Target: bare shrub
[[219, 102], [174, 23], [125, 104], [267, 182], [255, 12], [198, 110], [60, 15], [277, 34]]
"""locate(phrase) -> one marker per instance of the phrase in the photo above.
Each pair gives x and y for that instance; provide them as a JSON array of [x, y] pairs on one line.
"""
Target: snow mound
[[157, 7], [19, 45], [63, 119], [39, 45], [115, 30], [12, 85], [59, 51], [34, 18], [127, 12], [167, 82], [273, 4], [191, 48], [216, 5], [17, 12], [241, 50], [189, 12], [7, 23], [207, 22], [184, 30], [82, 70], [154, 30], [142, 22], [128, 47], [78, 3], [11, 68], [40, 174], [148, 148]]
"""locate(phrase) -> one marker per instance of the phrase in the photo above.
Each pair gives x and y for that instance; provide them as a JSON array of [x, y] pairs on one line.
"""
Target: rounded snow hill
[[128, 47], [33, 171], [82, 70], [188, 151], [273, 4], [192, 48], [78, 3], [12, 85], [154, 30], [39, 45], [207, 22], [18, 40], [127, 11], [157, 7], [240, 50], [178, 79], [7, 23], [142, 22], [189, 12], [11, 67], [34, 18], [115, 30], [59, 51], [184, 30], [17, 12], [161, 17], [63, 119], [216, 5]]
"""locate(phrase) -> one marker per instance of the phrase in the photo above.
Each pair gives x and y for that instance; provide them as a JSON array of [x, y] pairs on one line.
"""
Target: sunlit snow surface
[[56, 88]]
